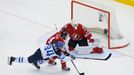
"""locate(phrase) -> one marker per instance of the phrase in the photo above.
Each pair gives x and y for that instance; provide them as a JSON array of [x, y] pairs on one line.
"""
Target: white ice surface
[[22, 22]]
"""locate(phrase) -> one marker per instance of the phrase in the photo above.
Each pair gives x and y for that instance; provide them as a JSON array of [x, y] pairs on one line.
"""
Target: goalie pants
[[72, 43]]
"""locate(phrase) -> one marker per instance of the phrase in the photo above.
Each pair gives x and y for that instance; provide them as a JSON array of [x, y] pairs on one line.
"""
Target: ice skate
[[97, 50], [51, 62], [11, 60], [66, 69], [36, 65]]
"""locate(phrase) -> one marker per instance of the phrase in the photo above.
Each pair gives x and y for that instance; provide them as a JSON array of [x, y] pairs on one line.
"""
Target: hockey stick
[[77, 69], [97, 58], [56, 27]]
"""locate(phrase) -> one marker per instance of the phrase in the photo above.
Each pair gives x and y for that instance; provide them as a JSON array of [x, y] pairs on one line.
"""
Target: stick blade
[[108, 56]]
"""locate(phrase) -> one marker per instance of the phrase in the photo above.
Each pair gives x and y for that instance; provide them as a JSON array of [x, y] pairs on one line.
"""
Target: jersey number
[[49, 50]]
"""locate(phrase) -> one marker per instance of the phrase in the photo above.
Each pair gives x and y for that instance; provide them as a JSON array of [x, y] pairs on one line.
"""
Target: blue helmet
[[59, 44]]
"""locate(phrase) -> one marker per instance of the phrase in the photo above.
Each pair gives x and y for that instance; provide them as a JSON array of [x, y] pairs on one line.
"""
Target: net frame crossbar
[[101, 10]]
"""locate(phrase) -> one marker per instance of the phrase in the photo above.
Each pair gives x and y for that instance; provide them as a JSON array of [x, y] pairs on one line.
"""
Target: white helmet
[[74, 23]]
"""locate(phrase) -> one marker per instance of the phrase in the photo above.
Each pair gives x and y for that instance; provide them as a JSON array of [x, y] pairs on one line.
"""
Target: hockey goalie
[[78, 34]]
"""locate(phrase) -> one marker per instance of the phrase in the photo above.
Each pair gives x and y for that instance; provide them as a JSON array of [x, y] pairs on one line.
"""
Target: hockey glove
[[91, 40], [73, 57], [66, 53]]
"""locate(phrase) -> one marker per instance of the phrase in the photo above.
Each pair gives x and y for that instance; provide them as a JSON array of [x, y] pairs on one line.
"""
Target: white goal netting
[[99, 19]]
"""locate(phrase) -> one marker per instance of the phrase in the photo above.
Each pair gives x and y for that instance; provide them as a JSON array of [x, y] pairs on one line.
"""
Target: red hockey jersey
[[54, 38], [77, 34]]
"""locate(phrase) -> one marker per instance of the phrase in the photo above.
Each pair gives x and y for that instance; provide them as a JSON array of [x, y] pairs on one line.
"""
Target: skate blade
[[8, 61]]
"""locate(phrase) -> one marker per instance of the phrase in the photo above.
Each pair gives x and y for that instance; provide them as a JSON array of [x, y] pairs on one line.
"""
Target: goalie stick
[[110, 54]]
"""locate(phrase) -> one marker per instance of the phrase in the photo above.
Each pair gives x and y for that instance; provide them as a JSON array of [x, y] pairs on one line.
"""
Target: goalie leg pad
[[84, 50]]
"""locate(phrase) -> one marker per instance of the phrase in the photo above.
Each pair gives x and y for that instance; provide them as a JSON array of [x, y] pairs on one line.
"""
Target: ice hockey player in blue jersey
[[55, 49]]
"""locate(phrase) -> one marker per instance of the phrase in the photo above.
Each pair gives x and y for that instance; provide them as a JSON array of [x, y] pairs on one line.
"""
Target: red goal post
[[85, 7]]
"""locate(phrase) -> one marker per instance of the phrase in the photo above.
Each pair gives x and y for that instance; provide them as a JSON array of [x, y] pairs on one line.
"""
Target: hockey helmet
[[63, 34], [59, 44]]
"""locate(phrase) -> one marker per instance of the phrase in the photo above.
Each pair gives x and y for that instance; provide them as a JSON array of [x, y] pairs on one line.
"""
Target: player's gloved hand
[[72, 56], [91, 40], [66, 53]]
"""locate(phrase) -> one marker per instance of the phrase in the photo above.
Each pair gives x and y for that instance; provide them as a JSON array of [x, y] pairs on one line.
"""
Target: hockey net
[[99, 19]]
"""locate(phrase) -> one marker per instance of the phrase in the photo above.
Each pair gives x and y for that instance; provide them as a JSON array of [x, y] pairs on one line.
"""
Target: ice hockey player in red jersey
[[54, 50], [59, 36], [80, 35]]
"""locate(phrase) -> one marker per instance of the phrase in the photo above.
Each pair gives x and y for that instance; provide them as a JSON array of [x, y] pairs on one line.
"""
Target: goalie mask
[[74, 23]]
